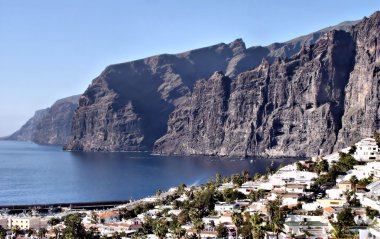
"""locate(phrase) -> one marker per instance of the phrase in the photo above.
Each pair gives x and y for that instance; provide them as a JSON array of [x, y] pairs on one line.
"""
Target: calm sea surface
[[35, 174]]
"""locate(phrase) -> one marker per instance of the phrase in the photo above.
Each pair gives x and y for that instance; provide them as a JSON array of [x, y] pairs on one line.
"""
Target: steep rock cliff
[[291, 107], [126, 108], [49, 126]]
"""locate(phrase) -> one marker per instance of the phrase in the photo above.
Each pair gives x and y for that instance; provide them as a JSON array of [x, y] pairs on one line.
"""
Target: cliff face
[[127, 107], [291, 107], [49, 126], [362, 112], [322, 99]]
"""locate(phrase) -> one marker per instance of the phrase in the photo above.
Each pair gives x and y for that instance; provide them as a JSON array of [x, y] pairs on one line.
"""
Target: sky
[[53, 49]]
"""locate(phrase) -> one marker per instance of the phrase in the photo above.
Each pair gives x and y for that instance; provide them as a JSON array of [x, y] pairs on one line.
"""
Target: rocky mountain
[[49, 126], [324, 97], [127, 106]]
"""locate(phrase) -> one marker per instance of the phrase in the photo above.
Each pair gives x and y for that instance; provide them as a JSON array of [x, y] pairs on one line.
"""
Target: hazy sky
[[53, 49]]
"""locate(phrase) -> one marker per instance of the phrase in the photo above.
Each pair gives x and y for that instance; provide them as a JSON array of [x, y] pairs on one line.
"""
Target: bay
[[37, 174]]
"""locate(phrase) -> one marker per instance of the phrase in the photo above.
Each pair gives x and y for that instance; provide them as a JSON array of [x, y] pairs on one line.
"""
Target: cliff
[[323, 98], [126, 108], [49, 126]]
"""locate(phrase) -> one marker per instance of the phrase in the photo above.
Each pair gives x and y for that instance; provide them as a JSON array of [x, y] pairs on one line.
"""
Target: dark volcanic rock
[[291, 107], [362, 112], [49, 126], [127, 107]]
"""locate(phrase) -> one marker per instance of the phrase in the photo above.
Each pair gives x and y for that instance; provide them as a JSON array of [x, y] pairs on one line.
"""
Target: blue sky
[[53, 49]]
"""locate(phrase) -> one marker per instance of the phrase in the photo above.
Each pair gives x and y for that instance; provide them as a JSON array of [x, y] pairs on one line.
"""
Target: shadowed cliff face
[[49, 126], [291, 107], [127, 107]]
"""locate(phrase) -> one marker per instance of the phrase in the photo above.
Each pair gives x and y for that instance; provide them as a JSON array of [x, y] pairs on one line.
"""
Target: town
[[335, 196]]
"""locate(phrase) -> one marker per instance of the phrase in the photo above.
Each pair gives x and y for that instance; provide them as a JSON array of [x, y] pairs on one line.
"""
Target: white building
[[313, 226], [366, 150], [372, 198], [222, 207], [293, 177]]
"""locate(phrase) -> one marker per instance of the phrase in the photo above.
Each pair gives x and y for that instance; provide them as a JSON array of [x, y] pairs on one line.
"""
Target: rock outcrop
[[127, 107], [291, 107], [49, 126], [323, 98]]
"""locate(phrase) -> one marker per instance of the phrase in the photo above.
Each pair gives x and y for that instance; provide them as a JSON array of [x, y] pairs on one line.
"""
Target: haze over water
[[35, 174]]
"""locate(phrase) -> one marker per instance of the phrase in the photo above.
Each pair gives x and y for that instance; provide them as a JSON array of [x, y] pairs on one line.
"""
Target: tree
[[16, 230], [352, 149], [42, 232], [299, 166], [322, 166], [258, 232], [257, 176], [226, 180], [74, 227], [3, 232], [160, 228], [354, 181], [345, 219], [183, 217], [177, 230], [246, 176], [53, 221], [237, 219], [237, 179], [221, 230], [218, 179], [198, 226], [158, 192], [278, 225]]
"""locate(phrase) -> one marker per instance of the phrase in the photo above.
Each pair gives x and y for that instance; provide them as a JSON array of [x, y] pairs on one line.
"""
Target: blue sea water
[[36, 174]]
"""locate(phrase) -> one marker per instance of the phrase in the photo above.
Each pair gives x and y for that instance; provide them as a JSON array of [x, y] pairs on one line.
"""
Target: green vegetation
[[345, 163], [3, 232], [74, 227]]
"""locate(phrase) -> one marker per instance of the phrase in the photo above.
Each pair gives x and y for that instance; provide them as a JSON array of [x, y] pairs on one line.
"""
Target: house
[[203, 234], [223, 207], [345, 185], [328, 202], [259, 206], [335, 193], [108, 216], [293, 177], [211, 221], [313, 226], [25, 223], [372, 198], [366, 150], [314, 229]]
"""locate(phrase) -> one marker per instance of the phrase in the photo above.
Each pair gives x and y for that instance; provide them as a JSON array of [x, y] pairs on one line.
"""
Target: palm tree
[[237, 219], [348, 194], [354, 181], [245, 175], [198, 226], [257, 230], [277, 225], [178, 231]]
